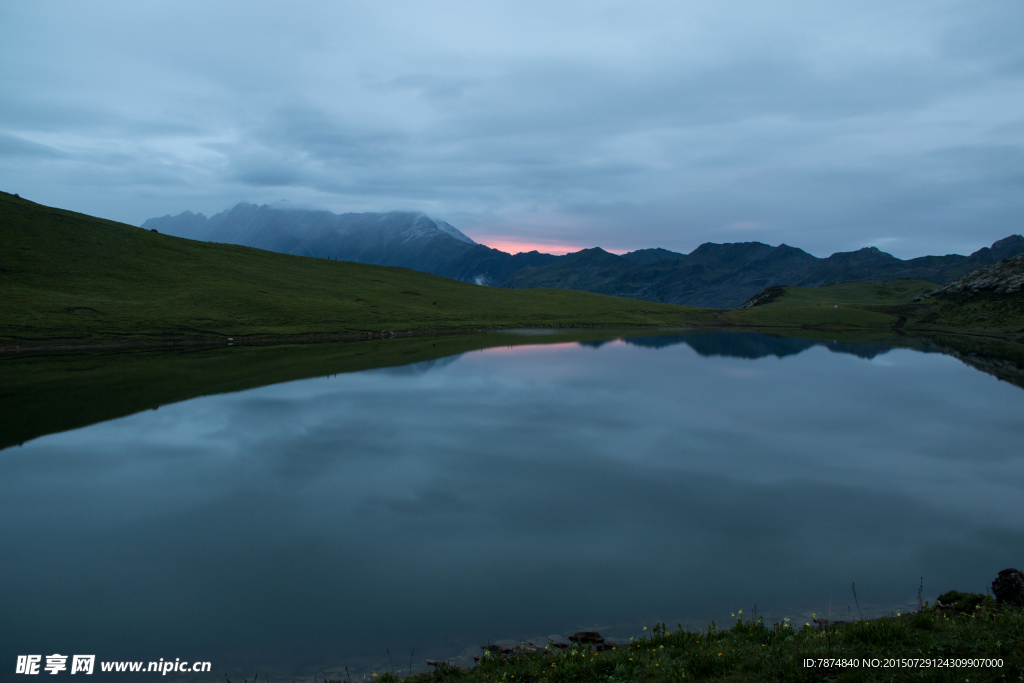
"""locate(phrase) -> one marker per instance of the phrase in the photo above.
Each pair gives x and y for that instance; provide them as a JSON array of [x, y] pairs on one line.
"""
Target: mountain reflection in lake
[[511, 493], [751, 346]]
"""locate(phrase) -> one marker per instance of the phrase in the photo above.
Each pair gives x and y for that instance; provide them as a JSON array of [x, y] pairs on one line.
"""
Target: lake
[[516, 492]]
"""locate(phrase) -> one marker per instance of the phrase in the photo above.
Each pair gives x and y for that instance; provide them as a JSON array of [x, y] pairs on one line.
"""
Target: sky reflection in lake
[[511, 493]]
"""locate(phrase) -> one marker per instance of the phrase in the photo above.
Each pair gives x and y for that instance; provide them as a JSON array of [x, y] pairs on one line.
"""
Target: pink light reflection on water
[[540, 347]]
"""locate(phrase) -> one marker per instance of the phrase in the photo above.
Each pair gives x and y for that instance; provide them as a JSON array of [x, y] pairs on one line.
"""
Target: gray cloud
[[14, 146], [601, 123], [434, 88]]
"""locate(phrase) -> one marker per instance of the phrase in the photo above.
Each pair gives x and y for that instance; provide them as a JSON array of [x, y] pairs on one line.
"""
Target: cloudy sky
[[560, 125]]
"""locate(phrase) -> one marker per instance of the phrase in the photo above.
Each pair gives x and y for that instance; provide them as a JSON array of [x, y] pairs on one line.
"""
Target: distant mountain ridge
[[712, 275], [277, 227], [399, 238], [726, 275]]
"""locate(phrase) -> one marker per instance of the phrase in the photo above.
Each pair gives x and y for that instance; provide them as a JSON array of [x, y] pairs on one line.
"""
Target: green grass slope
[[67, 277], [887, 304], [858, 304], [980, 311]]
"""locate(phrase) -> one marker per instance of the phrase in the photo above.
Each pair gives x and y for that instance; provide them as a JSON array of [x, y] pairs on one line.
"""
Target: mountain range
[[712, 275], [399, 238]]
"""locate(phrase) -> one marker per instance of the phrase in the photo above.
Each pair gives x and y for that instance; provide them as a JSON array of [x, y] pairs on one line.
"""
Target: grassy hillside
[[858, 304], [68, 277], [886, 304]]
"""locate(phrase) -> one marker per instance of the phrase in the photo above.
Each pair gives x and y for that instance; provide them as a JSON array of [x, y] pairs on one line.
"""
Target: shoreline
[[961, 634], [56, 344]]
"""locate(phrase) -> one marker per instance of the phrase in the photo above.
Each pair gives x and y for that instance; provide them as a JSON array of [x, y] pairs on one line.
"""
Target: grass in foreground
[[68, 276], [752, 651]]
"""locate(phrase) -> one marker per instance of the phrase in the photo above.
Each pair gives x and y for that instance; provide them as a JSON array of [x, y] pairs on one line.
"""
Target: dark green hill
[[645, 257], [585, 270], [898, 304], [70, 278], [711, 274]]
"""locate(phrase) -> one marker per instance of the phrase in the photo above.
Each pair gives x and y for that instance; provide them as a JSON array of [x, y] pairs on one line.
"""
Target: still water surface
[[511, 494]]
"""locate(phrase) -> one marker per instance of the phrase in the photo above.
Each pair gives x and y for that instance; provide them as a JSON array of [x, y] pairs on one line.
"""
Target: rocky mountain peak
[[1005, 277], [1008, 246]]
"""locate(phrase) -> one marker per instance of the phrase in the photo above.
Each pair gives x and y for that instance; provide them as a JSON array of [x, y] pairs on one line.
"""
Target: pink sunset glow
[[514, 245]]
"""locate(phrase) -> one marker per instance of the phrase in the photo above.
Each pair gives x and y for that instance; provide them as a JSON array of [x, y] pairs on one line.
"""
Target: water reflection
[[753, 345], [420, 368], [510, 493]]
